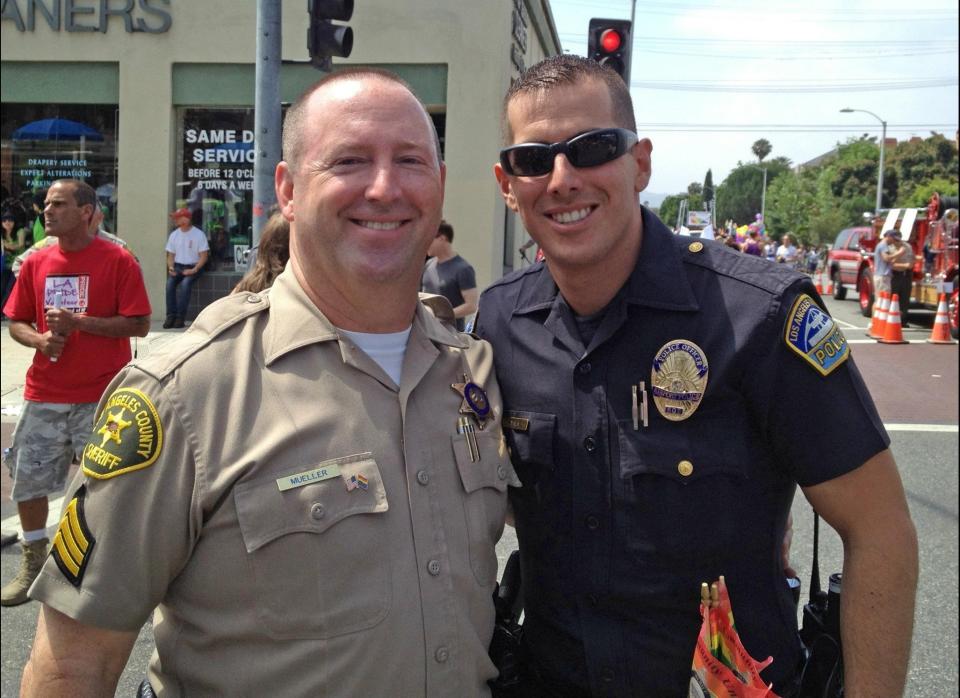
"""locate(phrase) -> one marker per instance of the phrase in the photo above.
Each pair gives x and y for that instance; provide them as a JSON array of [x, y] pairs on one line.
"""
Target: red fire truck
[[932, 233]]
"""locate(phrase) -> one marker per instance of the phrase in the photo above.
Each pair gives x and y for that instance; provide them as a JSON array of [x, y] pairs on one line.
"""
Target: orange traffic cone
[[892, 331], [879, 320], [941, 325], [828, 284], [818, 285]]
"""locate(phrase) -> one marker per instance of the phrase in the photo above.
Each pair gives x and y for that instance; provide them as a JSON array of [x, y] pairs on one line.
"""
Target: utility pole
[[763, 199], [267, 114]]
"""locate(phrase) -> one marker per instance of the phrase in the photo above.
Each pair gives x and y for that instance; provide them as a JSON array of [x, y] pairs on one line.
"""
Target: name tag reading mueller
[[288, 482]]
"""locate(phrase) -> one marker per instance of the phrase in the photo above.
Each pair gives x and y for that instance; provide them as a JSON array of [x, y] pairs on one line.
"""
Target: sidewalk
[[14, 361]]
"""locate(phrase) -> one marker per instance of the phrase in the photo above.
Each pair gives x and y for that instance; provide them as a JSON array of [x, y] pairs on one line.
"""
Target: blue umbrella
[[56, 129]]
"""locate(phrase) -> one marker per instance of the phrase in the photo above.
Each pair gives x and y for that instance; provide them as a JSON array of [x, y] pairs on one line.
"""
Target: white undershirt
[[386, 349]]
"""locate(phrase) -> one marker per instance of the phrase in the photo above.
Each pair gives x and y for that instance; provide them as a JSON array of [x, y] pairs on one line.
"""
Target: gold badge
[[679, 379], [127, 436], [696, 246], [475, 402]]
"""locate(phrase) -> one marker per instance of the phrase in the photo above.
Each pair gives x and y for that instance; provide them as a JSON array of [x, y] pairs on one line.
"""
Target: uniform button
[[592, 599], [590, 444], [422, 477], [253, 298], [433, 567], [606, 675], [593, 523], [585, 367], [316, 511], [685, 468], [696, 246], [442, 654], [502, 473]]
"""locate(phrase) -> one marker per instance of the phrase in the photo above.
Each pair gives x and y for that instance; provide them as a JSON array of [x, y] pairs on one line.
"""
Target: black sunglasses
[[588, 149]]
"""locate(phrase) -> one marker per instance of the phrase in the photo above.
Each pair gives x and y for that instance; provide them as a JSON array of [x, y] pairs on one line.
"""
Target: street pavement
[[915, 388]]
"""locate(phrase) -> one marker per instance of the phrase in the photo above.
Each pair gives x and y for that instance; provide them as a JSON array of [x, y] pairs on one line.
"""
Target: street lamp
[[883, 141]]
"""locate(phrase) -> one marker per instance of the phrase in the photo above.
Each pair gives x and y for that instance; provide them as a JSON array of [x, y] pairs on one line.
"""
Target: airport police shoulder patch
[[128, 436], [73, 540], [813, 335]]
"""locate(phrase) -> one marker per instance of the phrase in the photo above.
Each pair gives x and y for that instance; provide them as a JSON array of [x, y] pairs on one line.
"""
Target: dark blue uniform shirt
[[618, 526]]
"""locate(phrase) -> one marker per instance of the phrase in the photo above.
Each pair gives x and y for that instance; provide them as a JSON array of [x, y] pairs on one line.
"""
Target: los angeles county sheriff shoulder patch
[[679, 379], [73, 540], [128, 436], [813, 335]]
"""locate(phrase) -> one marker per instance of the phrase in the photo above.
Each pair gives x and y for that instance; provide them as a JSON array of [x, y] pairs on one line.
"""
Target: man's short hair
[[83, 193], [566, 70], [446, 230], [295, 119]]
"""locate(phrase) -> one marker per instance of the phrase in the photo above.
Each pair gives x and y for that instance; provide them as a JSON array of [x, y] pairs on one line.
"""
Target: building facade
[[152, 103]]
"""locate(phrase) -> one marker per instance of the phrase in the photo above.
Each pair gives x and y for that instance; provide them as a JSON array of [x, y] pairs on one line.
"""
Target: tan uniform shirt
[[905, 261], [307, 527]]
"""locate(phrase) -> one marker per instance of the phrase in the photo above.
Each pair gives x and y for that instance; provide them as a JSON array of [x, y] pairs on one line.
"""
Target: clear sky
[[710, 77]]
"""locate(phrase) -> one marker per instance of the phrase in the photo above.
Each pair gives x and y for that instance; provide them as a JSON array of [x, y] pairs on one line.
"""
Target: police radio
[[820, 633]]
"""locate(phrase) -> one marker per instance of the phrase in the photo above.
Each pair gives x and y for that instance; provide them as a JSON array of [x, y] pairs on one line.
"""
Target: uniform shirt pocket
[[679, 487], [485, 483], [317, 550]]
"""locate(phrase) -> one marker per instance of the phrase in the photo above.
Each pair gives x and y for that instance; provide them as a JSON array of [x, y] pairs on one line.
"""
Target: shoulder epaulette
[[213, 321]]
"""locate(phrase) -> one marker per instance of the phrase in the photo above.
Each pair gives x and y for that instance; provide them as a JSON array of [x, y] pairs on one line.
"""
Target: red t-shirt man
[[101, 280], [76, 303]]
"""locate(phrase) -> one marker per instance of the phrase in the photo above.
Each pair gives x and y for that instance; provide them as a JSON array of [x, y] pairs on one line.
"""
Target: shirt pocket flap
[[265, 512], [491, 469], [679, 456], [530, 435]]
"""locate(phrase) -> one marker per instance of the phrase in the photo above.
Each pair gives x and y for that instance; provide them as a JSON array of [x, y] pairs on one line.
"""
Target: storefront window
[[215, 157], [40, 143]]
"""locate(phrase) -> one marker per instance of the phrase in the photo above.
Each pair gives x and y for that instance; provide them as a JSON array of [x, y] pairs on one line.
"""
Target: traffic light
[[609, 44], [325, 39]]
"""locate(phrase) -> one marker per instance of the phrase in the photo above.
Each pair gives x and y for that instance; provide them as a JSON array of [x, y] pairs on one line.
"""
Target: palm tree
[[761, 149]]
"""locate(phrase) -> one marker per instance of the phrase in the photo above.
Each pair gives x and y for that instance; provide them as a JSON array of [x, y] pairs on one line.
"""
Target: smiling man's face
[[366, 196], [581, 217]]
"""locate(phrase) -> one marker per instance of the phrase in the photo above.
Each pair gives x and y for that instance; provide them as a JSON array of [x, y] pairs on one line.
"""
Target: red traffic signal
[[608, 43], [611, 40]]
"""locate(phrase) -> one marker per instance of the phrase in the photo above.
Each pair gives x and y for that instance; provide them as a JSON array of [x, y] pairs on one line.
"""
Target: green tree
[[761, 148], [823, 199], [922, 193], [740, 195], [708, 191], [695, 189], [791, 200], [917, 162], [669, 208], [798, 202]]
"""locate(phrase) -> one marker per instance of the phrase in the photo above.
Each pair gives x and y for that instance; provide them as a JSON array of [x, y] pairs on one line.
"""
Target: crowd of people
[[307, 488], [753, 240]]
